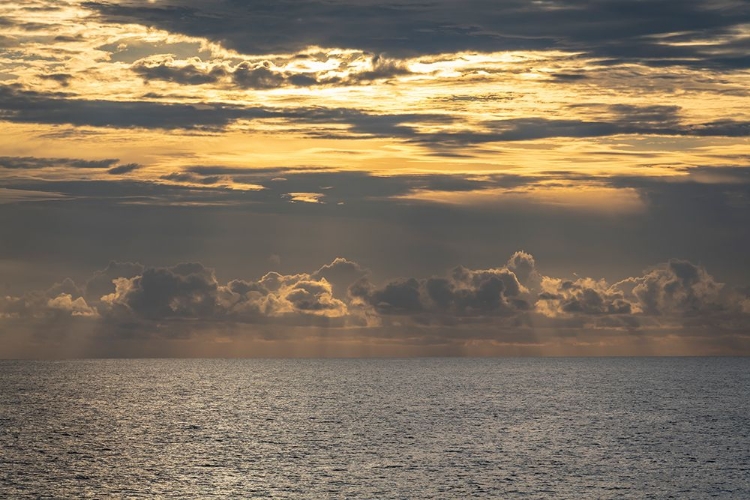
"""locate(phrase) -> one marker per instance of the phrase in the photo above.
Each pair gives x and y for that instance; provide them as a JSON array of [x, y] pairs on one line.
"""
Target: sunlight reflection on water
[[426, 428]]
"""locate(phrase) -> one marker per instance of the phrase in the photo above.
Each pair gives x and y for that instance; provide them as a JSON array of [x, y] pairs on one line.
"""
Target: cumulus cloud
[[584, 296], [675, 293], [515, 301], [677, 287], [191, 291], [102, 282], [461, 293], [340, 273], [62, 300]]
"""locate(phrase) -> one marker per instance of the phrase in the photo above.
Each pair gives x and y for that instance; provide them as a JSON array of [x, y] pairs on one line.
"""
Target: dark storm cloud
[[257, 76], [618, 31]]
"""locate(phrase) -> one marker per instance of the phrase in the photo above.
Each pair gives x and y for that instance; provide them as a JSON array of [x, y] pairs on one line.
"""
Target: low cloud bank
[[514, 304]]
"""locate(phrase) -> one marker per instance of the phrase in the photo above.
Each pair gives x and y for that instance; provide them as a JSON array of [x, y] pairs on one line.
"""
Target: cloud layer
[[514, 303], [603, 136], [656, 32]]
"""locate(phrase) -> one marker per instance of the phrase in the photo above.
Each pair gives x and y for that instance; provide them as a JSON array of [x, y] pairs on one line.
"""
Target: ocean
[[376, 428]]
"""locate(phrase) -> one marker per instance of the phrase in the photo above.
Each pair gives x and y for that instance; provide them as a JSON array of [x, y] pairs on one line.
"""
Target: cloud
[[23, 106], [33, 162], [185, 290], [62, 78], [102, 283], [700, 33], [257, 76], [191, 291], [675, 295], [65, 302], [188, 74], [340, 274], [677, 287], [60, 301], [461, 293], [124, 169], [186, 300], [32, 107], [347, 69], [581, 297]]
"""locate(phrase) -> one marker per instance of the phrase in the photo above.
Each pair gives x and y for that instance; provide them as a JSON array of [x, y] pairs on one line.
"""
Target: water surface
[[420, 428]]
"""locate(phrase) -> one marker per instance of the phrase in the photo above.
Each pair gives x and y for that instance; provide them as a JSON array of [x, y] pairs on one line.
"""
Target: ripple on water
[[556, 428]]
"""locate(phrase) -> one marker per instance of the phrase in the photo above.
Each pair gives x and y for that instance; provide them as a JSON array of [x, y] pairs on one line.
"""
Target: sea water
[[383, 428]]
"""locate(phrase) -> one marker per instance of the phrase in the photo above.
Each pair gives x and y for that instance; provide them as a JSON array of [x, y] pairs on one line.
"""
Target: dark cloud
[[583, 297], [191, 291], [129, 301], [462, 293], [33, 162], [678, 286], [569, 77], [102, 284], [32, 107], [340, 274], [62, 78], [266, 75], [124, 169], [193, 178], [258, 76], [701, 215], [624, 120], [184, 75], [69, 39], [697, 33], [716, 193], [186, 290], [24, 106]]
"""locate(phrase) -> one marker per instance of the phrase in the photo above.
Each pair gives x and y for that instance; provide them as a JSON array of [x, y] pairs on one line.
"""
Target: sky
[[227, 178]]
